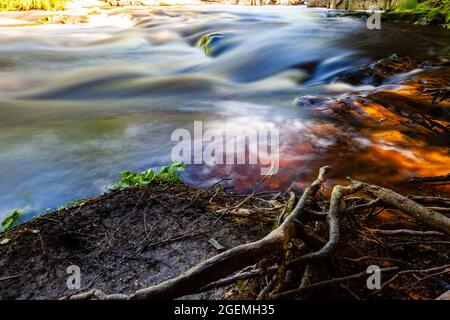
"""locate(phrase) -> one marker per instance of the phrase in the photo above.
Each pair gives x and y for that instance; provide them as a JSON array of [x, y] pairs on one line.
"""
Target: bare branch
[[406, 232], [294, 292]]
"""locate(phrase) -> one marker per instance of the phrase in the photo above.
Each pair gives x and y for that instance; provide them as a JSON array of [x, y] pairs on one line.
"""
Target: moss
[[425, 12]]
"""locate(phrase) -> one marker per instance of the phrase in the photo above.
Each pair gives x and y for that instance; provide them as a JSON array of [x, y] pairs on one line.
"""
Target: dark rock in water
[[381, 71], [416, 106], [308, 102], [345, 109], [328, 70]]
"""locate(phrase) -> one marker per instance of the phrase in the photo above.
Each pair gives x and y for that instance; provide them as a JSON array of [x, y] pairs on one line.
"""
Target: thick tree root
[[225, 268], [392, 199]]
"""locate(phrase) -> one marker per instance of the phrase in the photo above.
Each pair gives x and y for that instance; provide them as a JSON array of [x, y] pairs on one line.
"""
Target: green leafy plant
[[22, 5], [166, 175], [11, 220], [240, 286]]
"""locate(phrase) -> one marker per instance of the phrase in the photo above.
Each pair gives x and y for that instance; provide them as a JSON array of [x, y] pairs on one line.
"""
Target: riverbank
[[84, 11], [133, 238], [77, 12], [122, 241], [430, 12], [71, 12], [425, 12]]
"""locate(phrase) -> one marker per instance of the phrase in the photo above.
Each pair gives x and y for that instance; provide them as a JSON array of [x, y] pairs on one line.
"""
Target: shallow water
[[78, 104]]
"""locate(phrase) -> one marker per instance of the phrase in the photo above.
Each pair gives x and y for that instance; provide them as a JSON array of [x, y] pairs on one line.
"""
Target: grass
[[425, 10], [407, 5], [23, 5]]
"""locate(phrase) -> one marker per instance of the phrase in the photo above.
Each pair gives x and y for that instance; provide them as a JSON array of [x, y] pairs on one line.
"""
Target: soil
[[122, 242]]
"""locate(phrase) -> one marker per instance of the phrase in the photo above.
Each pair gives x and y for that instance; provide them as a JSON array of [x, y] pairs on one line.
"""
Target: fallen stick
[[406, 232], [401, 273], [294, 292], [427, 200], [443, 178], [394, 200]]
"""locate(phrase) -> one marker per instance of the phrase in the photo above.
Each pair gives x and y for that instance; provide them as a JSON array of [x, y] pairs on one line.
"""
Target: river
[[80, 103]]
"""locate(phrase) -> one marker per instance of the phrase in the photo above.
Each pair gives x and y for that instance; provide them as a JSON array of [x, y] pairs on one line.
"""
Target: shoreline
[[129, 239], [81, 12]]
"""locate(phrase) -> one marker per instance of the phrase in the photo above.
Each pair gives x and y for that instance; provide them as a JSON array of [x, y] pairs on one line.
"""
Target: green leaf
[[240, 285], [11, 220], [5, 241], [166, 174]]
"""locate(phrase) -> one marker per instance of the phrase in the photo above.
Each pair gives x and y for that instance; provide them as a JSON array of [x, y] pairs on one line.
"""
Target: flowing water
[[78, 104]]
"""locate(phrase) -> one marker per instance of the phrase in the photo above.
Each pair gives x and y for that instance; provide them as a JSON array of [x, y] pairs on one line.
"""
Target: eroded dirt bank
[[130, 239], [121, 241]]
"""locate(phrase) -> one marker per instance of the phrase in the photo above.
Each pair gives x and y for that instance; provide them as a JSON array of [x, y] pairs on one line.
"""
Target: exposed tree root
[[281, 254], [392, 199], [294, 292], [407, 232], [444, 178]]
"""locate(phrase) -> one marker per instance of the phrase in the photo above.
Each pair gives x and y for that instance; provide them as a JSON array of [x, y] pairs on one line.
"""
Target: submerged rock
[[213, 44], [383, 70], [411, 111]]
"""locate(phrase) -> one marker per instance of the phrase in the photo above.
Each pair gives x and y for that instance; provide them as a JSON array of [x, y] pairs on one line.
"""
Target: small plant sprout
[[11, 220], [166, 175]]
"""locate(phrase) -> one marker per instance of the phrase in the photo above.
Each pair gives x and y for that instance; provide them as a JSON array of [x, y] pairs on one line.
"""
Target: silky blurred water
[[78, 104]]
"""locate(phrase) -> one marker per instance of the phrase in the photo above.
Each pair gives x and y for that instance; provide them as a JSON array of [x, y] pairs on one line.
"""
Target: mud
[[122, 242]]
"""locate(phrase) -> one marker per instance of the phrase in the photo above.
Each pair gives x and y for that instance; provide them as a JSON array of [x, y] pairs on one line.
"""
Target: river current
[[80, 103]]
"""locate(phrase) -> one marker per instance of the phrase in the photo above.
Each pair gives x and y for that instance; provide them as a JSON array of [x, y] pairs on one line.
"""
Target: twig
[[294, 292], [405, 232], [401, 273], [10, 277], [444, 178]]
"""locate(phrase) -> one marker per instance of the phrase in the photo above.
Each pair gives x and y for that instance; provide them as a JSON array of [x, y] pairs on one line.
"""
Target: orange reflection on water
[[383, 137]]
